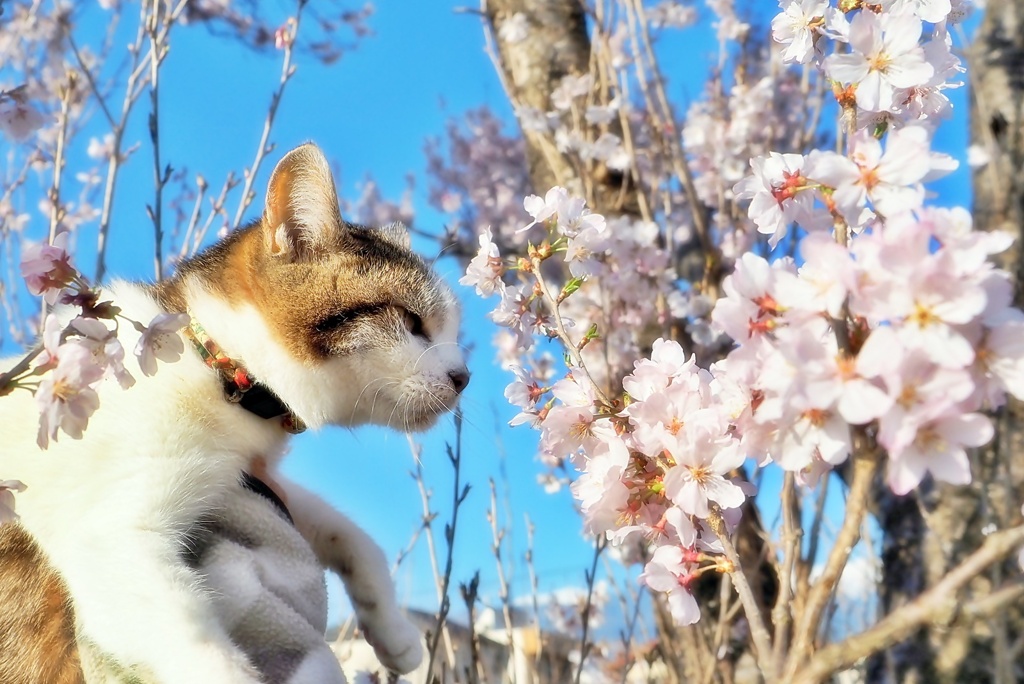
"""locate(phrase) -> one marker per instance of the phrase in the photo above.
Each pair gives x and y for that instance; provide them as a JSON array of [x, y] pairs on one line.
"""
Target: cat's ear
[[397, 234], [301, 218]]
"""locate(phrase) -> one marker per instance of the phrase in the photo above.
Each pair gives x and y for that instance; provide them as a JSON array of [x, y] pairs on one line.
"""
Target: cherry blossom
[[778, 193], [106, 348], [891, 179], [796, 27], [65, 397], [7, 491], [887, 323], [160, 340], [485, 270], [938, 448], [47, 268], [885, 56], [668, 572], [19, 118], [543, 208]]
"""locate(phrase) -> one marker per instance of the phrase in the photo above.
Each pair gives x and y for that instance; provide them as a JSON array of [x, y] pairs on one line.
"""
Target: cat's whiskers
[[367, 386]]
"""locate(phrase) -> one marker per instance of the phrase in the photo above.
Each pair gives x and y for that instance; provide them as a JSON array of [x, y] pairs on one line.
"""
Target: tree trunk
[[556, 45]]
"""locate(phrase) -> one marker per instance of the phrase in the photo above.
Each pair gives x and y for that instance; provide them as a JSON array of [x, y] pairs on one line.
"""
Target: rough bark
[[556, 46], [919, 548]]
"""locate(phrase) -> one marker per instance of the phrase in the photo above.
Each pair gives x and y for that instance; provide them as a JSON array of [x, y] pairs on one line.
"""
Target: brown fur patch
[[37, 627], [314, 306], [324, 287]]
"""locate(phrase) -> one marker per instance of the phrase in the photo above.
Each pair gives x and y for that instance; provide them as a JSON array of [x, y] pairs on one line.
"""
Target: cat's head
[[344, 323]]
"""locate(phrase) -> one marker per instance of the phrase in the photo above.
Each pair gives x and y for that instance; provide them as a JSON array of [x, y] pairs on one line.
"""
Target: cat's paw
[[397, 643]]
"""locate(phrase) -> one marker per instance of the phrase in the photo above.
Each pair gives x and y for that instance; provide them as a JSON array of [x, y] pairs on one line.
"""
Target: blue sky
[[371, 113]]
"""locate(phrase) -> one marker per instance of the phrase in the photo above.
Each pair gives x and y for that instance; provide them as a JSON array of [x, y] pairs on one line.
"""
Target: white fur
[[109, 509], [404, 387]]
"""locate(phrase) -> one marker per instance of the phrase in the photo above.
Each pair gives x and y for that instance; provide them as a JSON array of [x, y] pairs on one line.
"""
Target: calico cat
[[331, 324]]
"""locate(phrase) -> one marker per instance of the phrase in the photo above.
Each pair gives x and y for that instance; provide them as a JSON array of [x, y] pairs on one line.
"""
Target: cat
[[337, 325]]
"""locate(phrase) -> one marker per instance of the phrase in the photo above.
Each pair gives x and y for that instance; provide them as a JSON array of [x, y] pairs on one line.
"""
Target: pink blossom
[[777, 192], [797, 26], [65, 397], [932, 11], [590, 240], [938, 448], [892, 180], [47, 268], [541, 209], [885, 56], [486, 268], [704, 454], [600, 489], [514, 313], [107, 350], [668, 572], [574, 219], [7, 490], [1000, 356], [668, 362], [750, 308], [19, 118], [161, 340]]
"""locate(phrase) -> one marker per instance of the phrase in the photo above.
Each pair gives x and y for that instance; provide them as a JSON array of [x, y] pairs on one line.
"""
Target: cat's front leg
[[139, 604], [346, 549]]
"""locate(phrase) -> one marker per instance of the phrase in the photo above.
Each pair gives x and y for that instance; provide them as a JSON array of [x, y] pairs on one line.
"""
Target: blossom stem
[[563, 335], [9, 379], [758, 630], [793, 535]]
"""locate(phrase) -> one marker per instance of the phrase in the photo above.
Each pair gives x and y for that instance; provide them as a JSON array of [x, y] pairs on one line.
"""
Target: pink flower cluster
[[657, 464], [930, 339], [890, 330], [78, 355]]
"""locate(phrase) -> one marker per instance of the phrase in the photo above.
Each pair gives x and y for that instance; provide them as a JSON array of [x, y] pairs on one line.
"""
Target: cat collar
[[239, 387]]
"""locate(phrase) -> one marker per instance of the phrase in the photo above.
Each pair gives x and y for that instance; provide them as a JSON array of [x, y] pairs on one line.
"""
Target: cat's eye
[[342, 319], [414, 324], [333, 322]]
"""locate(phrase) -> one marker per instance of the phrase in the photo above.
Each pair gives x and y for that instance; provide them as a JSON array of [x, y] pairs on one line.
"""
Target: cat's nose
[[459, 378]]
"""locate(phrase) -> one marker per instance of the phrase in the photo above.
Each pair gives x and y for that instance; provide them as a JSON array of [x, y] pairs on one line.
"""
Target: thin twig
[[792, 536], [563, 334], [758, 630], [132, 93], [428, 529], [264, 148], [56, 207], [534, 591], [458, 496], [600, 544], [497, 536], [11, 376], [157, 52]]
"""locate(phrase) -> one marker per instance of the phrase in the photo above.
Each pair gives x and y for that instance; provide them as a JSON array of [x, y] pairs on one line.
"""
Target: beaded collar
[[239, 387]]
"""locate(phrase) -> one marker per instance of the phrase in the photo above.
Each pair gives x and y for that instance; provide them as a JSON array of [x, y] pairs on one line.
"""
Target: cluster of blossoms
[[75, 356], [892, 324], [930, 339], [656, 463]]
